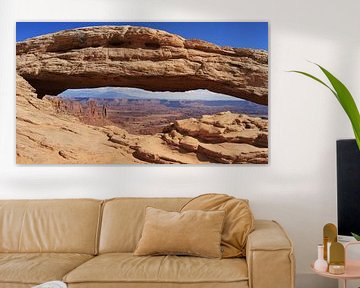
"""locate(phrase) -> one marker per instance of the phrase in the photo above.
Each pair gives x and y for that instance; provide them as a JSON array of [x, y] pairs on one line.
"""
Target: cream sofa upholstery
[[123, 218], [89, 243]]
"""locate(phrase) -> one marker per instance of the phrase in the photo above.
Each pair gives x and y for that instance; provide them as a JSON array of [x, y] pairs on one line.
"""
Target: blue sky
[[235, 34]]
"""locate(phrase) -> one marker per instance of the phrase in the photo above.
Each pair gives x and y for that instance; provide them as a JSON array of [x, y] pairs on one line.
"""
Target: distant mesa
[[139, 57]]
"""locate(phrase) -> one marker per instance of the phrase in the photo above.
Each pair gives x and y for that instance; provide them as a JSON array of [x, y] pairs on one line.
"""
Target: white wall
[[297, 188]]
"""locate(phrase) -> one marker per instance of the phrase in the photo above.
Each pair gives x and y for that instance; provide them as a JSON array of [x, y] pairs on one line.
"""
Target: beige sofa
[[89, 243]]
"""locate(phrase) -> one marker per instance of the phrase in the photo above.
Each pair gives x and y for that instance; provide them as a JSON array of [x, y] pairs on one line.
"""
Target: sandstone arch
[[127, 56]]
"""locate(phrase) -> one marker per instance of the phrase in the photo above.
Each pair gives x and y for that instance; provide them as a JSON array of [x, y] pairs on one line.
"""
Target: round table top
[[352, 271]]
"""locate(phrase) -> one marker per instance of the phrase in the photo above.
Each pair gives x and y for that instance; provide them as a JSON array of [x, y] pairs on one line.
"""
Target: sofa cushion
[[126, 268], [194, 232], [239, 220], [63, 226], [35, 268], [123, 220]]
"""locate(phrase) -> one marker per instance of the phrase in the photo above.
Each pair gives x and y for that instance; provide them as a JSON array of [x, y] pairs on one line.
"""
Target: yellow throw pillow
[[238, 224], [193, 232]]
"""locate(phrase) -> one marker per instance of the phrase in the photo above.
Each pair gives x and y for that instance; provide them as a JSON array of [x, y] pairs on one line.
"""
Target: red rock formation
[[140, 57], [65, 105], [222, 138], [143, 58]]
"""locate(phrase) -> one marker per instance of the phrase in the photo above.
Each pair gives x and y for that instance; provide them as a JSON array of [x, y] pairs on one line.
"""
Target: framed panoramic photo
[[138, 93]]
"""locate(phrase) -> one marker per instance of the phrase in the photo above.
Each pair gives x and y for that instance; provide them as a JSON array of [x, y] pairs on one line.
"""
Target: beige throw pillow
[[239, 220], [194, 232]]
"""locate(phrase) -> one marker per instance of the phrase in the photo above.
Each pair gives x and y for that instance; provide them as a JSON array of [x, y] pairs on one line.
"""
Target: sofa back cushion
[[64, 226], [123, 220], [238, 224]]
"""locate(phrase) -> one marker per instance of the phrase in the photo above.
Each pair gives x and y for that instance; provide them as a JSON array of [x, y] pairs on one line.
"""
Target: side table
[[352, 269]]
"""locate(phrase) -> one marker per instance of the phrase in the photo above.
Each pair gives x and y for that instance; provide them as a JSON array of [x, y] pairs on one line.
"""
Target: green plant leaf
[[356, 236], [344, 97], [357, 137], [316, 79], [347, 102]]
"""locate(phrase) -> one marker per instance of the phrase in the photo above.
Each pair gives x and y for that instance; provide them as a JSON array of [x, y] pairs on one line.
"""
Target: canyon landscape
[[55, 126]]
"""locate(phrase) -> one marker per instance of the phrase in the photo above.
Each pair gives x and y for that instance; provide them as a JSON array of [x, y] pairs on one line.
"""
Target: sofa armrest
[[269, 255]]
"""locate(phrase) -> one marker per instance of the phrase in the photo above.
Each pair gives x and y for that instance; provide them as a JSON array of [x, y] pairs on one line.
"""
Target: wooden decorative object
[[330, 236]]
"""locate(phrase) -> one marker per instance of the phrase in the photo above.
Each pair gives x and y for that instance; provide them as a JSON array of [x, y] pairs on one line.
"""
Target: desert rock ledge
[[47, 135], [127, 56]]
